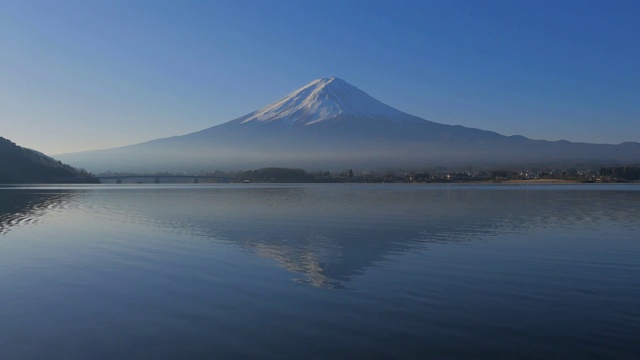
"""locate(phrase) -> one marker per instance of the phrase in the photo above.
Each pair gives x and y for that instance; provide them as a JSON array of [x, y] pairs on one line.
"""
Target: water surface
[[320, 271]]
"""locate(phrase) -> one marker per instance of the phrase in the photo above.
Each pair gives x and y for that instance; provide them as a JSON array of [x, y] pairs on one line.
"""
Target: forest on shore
[[20, 165]]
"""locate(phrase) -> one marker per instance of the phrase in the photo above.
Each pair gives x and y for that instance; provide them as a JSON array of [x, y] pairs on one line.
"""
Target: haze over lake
[[320, 271]]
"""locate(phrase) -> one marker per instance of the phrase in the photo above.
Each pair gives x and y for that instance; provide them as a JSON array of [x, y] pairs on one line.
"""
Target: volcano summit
[[325, 100], [330, 124]]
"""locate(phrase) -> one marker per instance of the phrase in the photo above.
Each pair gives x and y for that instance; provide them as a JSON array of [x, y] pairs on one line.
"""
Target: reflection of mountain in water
[[25, 206], [332, 234]]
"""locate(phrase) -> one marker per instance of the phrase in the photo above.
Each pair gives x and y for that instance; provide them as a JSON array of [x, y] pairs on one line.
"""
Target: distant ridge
[[21, 165], [330, 124]]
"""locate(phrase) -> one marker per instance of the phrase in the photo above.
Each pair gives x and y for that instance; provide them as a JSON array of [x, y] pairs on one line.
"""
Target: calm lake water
[[320, 271]]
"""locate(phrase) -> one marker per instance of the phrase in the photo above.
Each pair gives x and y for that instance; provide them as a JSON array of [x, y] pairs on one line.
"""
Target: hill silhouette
[[20, 165]]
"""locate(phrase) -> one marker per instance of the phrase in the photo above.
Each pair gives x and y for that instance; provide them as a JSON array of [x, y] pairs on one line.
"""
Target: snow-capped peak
[[321, 100]]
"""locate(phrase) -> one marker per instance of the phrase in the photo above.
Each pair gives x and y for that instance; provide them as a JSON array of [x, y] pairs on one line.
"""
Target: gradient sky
[[80, 75]]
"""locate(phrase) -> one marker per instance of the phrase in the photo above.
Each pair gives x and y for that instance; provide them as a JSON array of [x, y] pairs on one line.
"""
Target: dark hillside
[[19, 165]]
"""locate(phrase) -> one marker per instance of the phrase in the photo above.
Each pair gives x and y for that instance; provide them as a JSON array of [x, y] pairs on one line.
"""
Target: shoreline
[[542, 181]]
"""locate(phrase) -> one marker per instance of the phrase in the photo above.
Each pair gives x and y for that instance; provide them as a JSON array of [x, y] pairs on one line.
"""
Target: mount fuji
[[330, 124]]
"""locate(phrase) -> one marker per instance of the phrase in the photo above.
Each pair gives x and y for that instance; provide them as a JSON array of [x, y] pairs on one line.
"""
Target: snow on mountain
[[325, 99]]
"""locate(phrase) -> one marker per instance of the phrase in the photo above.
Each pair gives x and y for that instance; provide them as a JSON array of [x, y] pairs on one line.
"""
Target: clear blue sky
[[79, 75]]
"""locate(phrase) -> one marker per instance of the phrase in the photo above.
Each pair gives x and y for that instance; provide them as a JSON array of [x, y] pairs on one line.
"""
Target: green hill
[[19, 165]]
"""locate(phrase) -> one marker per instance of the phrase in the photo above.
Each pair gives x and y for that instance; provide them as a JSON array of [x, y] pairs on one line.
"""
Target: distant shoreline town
[[619, 174]]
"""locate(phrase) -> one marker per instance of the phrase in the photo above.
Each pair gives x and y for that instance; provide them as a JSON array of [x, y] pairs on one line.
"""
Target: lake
[[320, 271]]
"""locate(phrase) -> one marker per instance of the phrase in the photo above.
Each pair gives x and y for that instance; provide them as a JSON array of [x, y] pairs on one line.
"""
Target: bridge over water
[[158, 178]]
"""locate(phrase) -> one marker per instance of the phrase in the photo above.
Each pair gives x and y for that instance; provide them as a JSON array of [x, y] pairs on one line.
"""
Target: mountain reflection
[[331, 235], [19, 207]]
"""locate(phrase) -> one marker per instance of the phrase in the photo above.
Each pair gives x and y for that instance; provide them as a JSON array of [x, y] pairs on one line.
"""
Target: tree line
[[22, 165], [629, 173]]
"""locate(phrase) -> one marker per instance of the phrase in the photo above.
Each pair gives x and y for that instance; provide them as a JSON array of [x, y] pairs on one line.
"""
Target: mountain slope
[[329, 124], [21, 165]]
